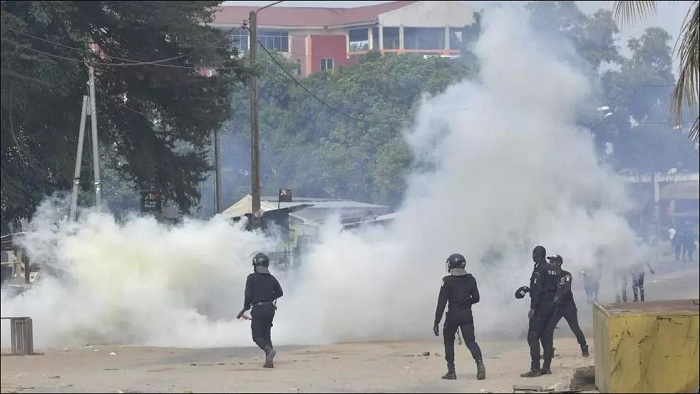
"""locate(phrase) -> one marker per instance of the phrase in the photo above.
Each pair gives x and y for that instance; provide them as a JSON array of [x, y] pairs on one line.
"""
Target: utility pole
[[218, 171], [89, 109], [95, 147], [254, 117], [78, 161], [254, 124]]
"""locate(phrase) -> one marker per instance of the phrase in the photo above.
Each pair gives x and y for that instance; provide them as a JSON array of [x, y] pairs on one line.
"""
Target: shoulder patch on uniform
[[568, 278]]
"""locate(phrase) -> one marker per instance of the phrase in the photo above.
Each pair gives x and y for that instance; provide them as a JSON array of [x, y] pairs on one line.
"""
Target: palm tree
[[686, 89]]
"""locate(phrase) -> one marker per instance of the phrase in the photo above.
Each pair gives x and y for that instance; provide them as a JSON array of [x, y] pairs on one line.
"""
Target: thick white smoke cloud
[[510, 171], [139, 282]]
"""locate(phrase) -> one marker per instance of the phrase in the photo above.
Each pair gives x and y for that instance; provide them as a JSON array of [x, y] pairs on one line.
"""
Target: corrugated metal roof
[[268, 203], [306, 16]]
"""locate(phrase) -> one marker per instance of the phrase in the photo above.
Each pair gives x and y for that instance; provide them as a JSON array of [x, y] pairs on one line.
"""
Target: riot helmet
[[456, 260], [556, 261], [261, 259]]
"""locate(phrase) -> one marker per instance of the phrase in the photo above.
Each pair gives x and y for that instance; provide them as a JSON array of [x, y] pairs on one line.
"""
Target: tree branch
[[686, 89], [630, 11]]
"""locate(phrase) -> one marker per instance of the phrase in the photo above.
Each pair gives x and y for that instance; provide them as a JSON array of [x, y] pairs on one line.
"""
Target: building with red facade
[[323, 39]]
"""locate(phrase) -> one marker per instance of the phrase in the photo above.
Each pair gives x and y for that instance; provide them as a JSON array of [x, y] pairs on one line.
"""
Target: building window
[[277, 40], [457, 36], [240, 39], [298, 69], [326, 64], [423, 38], [391, 37], [359, 40], [375, 38]]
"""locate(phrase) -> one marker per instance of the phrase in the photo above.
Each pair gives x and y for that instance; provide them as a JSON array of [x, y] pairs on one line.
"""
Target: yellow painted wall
[[650, 348]]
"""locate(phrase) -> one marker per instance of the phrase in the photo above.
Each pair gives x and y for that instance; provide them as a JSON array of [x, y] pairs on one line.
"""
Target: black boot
[[546, 366], [450, 375], [269, 357], [584, 351], [534, 369], [480, 370]]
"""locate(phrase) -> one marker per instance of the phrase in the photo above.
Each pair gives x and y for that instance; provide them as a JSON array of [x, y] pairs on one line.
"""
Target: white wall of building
[[430, 14]]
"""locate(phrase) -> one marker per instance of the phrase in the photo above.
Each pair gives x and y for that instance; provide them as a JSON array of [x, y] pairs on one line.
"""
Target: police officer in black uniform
[[261, 293], [460, 291], [566, 308], [542, 289]]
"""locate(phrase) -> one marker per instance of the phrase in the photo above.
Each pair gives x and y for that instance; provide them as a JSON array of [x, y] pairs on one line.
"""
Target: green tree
[[687, 86], [641, 90], [350, 145], [155, 109], [592, 36]]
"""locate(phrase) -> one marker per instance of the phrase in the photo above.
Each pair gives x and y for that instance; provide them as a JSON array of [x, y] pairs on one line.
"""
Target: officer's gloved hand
[[531, 314], [520, 293], [436, 330]]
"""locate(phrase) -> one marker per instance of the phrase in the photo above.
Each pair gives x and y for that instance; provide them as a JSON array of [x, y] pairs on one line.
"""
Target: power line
[[315, 96], [131, 61], [112, 99], [155, 63], [136, 62]]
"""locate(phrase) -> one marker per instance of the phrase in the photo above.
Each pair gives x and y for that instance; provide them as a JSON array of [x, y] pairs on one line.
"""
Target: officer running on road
[[542, 289], [566, 308], [261, 293], [460, 291]]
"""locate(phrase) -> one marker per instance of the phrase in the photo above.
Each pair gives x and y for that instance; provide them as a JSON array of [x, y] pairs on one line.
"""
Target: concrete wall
[[430, 14], [328, 47]]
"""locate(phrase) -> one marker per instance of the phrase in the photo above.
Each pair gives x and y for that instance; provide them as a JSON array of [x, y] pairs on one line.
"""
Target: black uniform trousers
[[261, 324], [459, 320], [536, 329], [570, 314]]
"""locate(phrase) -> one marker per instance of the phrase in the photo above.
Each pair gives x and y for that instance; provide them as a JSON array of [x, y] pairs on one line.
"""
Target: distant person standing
[[677, 244], [637, 272], [620, 278], [591, 283], [688, 243], [671, 234]]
